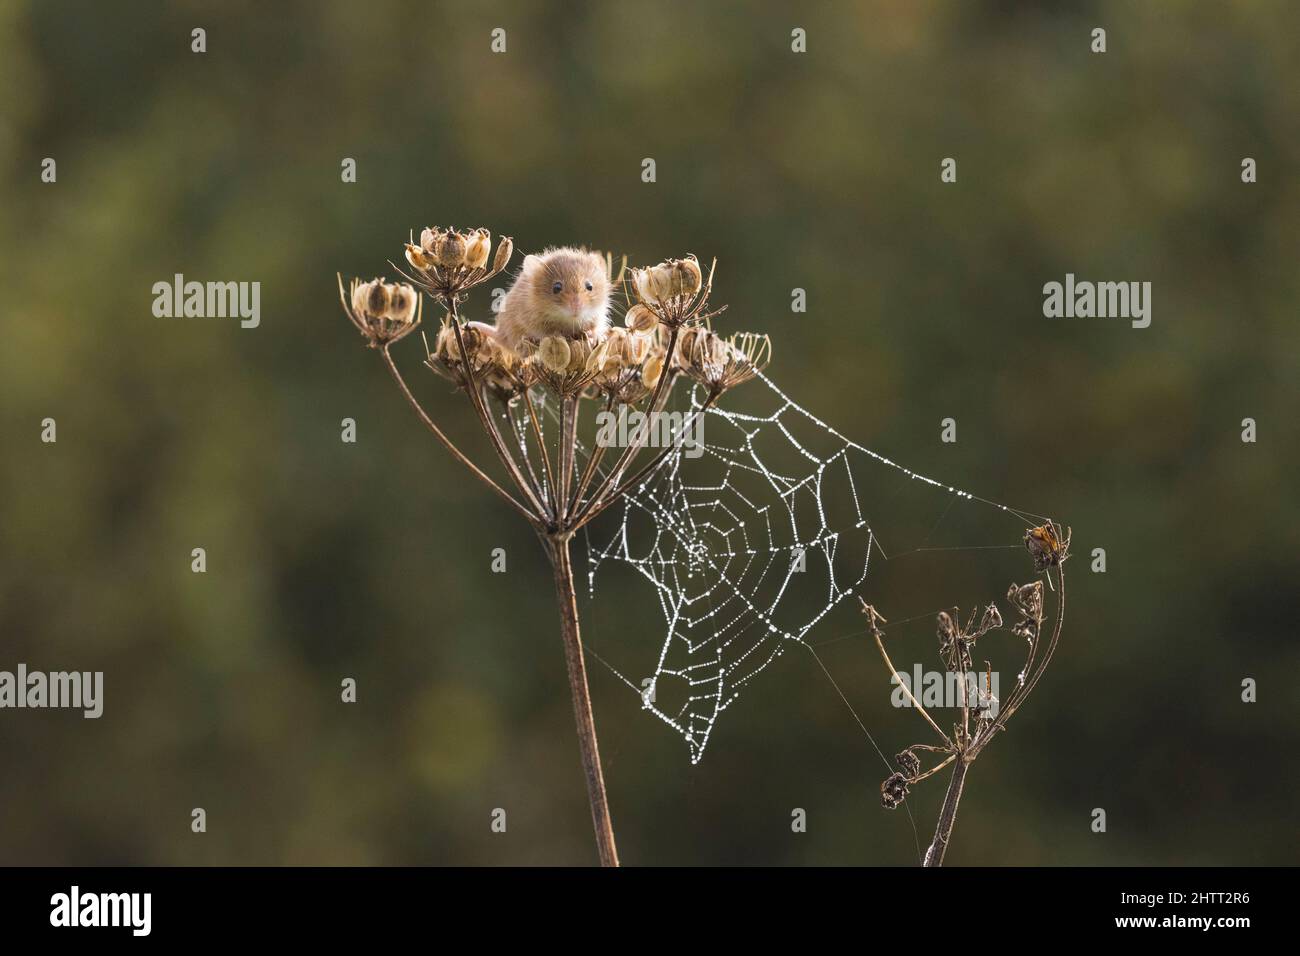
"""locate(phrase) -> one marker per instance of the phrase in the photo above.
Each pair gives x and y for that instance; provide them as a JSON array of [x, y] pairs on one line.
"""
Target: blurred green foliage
[[820, 171]]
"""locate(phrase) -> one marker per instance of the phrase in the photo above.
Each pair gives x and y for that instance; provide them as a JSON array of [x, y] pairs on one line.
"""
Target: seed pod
[[450, 249], [505, 248], [688, 276], [377, 298], [636, 349], [640, 319], [663, 281], [555, 354], [477, 247], [445, 345], [579, 352], [652, 370], [429, 241], [416, 257], [616, 347], [686, 344], [642, 285], [360, 297], [401, 302]]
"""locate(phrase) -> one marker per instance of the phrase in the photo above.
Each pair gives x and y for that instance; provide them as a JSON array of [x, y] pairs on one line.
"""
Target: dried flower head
[[620, 375], [569, 365], [674, 291], [449, 262], [493, 366], [893, 791], [1027, 599], [909, 763], [717, 363], [383, 312]]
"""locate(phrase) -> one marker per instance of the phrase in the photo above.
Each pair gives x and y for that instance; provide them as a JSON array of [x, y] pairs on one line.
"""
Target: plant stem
[[447, 442], [577, 669], [947, 814]]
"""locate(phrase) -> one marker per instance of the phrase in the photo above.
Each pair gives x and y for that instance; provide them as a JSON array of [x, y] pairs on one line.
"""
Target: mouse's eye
[[557, 288], [588, 285]]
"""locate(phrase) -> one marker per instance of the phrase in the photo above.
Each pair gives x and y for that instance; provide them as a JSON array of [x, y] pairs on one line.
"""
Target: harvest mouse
[[563, 292]]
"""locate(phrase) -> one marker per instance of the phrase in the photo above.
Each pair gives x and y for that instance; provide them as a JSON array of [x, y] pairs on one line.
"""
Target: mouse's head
[[571, 285]]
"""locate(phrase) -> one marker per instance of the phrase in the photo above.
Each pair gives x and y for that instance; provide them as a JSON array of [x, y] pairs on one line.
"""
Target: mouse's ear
[[532, 261]]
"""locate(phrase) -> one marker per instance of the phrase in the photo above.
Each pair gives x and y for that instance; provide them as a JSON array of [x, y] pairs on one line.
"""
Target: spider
[[1046, 546]]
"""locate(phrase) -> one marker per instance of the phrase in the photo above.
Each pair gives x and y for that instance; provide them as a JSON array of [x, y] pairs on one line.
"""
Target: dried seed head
[[505, 248], [909, 763], [429, 241], [381, 311], [991, 620], [893, 791], [477, 246], [640, 319], [450, 249], [447, 346], [1027, 598], [555, 354]]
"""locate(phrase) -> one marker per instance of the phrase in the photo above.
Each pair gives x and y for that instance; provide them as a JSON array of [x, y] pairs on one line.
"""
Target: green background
[[821, 171]]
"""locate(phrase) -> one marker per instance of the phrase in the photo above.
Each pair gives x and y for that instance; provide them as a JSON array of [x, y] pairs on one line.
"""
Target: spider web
[[754, 543]]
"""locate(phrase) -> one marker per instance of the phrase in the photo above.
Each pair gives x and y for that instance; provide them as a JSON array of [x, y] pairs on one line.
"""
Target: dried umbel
[[449, 262], [1027, 599], [381, 311], [568, 365], [720, 364], [495, 368], [955, 641], [982, 715], [673, 291], [621, 373]]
